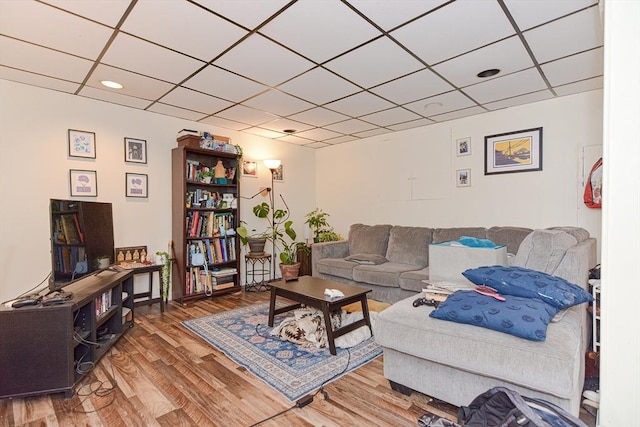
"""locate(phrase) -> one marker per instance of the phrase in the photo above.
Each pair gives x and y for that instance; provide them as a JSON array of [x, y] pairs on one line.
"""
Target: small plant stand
[[257, 272]]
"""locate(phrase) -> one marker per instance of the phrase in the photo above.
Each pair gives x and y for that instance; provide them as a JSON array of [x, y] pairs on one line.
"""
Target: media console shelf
[[48, 349]]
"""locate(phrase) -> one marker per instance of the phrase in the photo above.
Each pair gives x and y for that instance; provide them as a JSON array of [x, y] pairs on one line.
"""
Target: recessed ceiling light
[[432, 105], [488, 73], [289, 131], [112, 85]]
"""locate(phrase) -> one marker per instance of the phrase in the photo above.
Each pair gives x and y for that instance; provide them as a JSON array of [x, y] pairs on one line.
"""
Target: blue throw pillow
[[524, 282], [523, 317]]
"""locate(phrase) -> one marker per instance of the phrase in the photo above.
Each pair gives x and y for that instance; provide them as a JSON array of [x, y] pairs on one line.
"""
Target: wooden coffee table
[[309, 291]]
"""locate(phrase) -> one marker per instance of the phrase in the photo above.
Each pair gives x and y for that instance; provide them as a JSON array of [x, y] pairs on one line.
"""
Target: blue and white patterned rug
[[243, 335]]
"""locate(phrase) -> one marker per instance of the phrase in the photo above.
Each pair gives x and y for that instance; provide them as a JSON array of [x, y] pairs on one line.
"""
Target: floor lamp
[[273, 165]]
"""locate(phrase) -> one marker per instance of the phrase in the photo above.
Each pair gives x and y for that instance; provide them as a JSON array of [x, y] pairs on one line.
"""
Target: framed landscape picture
[[83, 183], [510, 152], [135, 150], [82, 144], [136, 184]]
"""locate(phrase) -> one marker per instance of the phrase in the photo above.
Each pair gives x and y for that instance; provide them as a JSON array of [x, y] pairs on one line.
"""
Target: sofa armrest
[[577, 261], [320, 251]]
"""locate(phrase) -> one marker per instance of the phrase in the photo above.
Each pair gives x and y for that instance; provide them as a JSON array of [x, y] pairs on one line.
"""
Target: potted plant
[[102, 261], [322, 231], [289, 264], [254, 240]]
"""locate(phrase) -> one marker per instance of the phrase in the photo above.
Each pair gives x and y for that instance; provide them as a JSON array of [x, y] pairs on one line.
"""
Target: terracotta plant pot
[[256, 246], [290, 271]]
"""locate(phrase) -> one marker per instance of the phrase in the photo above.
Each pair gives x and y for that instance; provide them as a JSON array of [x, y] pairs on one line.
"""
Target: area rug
[[243, 335]]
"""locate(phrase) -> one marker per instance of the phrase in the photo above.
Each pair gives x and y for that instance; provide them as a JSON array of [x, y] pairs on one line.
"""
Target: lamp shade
[[220, 171], [272, 164]]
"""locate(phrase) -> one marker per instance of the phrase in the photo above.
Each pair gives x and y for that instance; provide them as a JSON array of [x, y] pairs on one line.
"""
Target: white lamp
[[272, 164]]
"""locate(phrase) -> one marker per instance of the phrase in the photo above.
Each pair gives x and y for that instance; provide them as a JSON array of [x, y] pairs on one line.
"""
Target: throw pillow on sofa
[[522, 317], [527, 283], [367, 259]]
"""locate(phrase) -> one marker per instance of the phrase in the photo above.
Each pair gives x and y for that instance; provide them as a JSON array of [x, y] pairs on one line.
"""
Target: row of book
[[210, 224], [103, 303], [67, 257], [215, 250], [201, 280], [66, 229]]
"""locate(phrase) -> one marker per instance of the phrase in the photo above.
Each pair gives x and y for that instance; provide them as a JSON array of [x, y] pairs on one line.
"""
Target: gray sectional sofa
[[456, 362]]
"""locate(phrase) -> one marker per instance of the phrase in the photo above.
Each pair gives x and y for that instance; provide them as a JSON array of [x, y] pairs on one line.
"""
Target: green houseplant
[[322, 231]]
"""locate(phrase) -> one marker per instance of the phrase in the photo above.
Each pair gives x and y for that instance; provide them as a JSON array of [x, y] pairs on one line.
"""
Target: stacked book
[[223, 278]]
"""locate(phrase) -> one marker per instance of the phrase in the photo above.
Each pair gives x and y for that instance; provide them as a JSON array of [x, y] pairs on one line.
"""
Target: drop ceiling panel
[[372, 132], [320, 30], [507, 56], [224, 123], [279, 103], [519, 100], [134, 84], [581, 86], [465, 25], [319, 117], [280, 125], [528, 14], [114, 98], [154, 20], [170, 110], [377, 62], [439, 104], [319, 86], [223, 84], [264, 132], [106, 12], [577, 67], [46, 26], [263, 61], [359, 104], [249, 17], [507, 86], [37, 80], [411, 124], [350, 126], [294, 139], [250, 116], [390, 117], [421, 84], [458, 114], [196, 101], [388, 15], [319, 134], [559, 38]]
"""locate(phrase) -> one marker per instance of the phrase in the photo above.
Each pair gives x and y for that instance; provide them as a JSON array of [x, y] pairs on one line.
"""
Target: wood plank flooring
[[161, 374]]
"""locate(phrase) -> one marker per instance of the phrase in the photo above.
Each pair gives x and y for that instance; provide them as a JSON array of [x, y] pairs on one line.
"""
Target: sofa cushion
[[368, 239], [409, 245], [527, 283], [551, 366], [543, 250], [579, 233], [414, 280], [523, 317], [338, 267], [387, 274], [511, 237], [370, 259], [445, 234]]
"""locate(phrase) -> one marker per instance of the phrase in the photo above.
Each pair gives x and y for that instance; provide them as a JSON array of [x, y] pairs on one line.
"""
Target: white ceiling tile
[[388, 15], [390, 117], [341, 139], [279, 103], [459, 114], [507, 56], [439, 104], [151, 60], [250, 15], [507, 86], [319, 117], [47, 26], [318, 134], [107, 12], [577, 67], [559, 38], [154, 20], [224, 123], [319, 86], [192, 100], [581, 86], [374, 63], [320, 30], [372, 132], [32, 79], [359, 104], [421, 84], [223, 84], [294, 139], [170, 110], [318, 145], [264, 61], [280, 125], [263, 132], [528, 14], [240, 113], [114, 98], [25, 56], [463, 25], [133, 84], [519, 100], [411, 124], [350, 126]]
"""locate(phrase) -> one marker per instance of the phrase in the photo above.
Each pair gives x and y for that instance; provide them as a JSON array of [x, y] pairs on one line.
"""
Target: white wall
[[408, 177], [34, 167]]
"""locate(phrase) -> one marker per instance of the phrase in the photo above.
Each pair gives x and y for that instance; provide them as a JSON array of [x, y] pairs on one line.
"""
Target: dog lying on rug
[[306, 328]]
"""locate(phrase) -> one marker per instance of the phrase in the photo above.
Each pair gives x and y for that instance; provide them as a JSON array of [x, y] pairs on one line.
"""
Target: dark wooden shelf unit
[[187, 152], [48, 349]]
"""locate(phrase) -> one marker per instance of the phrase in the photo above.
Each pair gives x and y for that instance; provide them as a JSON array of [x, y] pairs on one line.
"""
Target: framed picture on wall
[[250, 168], [463, 146], [278, 174], [135, 150], [463, 178], [82, 144], [136, 184], [511, 152], [83, 183]]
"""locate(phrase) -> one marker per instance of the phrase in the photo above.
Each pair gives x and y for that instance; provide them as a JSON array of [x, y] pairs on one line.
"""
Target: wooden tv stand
[[48, 349]]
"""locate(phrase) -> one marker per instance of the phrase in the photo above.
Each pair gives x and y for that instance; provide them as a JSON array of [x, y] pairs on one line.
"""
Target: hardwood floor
[[161, 374]]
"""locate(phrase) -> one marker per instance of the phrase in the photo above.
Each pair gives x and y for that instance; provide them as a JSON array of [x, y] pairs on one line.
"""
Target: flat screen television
[[81, 235]]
